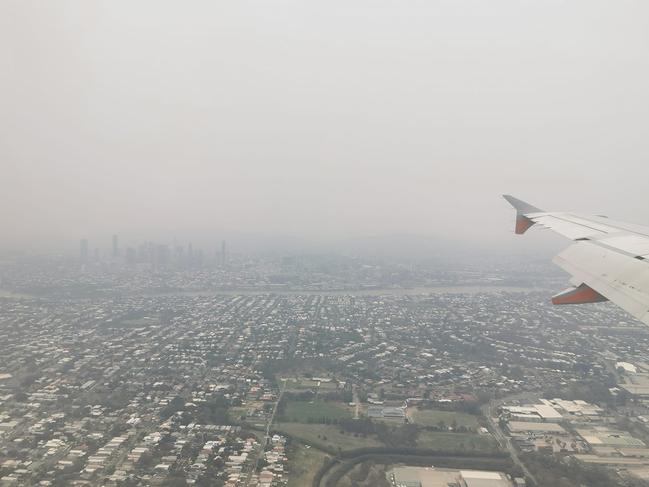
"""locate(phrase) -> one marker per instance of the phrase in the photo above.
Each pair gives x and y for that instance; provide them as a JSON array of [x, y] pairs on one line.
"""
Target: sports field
[[314, 411], [435, 418]]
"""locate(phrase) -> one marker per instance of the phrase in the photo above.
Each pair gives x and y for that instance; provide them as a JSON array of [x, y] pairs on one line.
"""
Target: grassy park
[[326, 436], [465, 442], [304, 463]]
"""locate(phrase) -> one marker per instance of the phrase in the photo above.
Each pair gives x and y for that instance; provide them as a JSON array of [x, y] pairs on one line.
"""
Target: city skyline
[[320, 122]]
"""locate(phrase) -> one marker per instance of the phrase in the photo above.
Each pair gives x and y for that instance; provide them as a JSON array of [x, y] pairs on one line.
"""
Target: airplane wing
[[608, 260]]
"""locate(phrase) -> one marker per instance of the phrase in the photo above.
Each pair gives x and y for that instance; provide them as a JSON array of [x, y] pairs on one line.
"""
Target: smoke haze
[[317, 120]]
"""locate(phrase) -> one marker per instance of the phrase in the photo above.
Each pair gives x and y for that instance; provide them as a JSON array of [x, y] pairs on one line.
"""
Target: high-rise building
[[162, 255], [223, 253], [115, 247], [83, 250], [131, 256]]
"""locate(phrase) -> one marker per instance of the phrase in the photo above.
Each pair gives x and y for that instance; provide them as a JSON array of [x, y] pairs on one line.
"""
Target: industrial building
[[443, 477]]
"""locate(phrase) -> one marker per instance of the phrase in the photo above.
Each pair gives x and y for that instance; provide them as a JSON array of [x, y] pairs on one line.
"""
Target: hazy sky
[[321, 120]]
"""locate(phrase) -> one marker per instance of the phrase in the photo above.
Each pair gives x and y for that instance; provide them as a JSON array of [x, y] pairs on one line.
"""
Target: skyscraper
[[223, 253], [131, 256], [115, 247], [83, 250]]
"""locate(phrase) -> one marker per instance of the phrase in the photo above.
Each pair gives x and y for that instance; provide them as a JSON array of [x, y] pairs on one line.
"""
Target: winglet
[[523, 223], [521, 206]]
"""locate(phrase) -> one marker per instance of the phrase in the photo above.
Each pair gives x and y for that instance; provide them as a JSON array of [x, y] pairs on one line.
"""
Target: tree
[[175, 405]]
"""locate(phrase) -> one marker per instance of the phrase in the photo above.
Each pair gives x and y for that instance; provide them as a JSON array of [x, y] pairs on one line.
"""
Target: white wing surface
[[609, 259]]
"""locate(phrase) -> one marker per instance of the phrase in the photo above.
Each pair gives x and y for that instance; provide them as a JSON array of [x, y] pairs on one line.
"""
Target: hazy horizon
[[319, 122]]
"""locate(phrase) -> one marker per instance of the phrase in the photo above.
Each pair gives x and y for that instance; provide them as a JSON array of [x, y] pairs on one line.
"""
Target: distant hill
[[401, 247]]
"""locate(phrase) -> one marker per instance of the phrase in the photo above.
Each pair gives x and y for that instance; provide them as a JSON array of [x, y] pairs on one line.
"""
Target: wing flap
[[571, 230], [634, 245], [622, 279]]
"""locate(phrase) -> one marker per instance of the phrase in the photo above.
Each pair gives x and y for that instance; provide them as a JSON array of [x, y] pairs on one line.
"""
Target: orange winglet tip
[[578, 295], [522, 224]]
